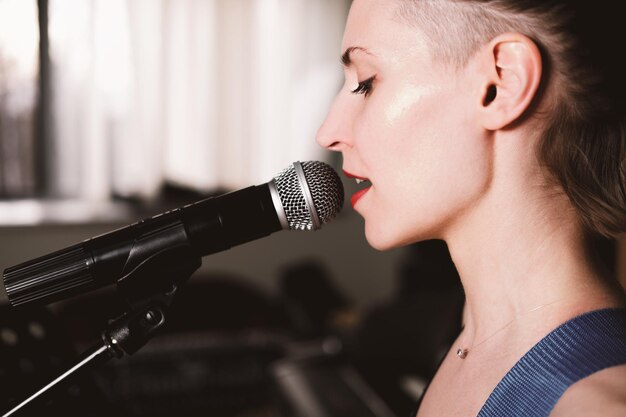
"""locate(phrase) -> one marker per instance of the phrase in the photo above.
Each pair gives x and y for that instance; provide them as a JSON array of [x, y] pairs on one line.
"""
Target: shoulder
[[601, 394]]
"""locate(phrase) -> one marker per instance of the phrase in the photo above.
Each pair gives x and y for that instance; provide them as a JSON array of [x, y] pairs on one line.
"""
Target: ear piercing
[[492, 92]]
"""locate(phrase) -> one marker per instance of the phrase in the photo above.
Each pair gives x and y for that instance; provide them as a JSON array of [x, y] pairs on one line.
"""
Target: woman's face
[[406, 124]]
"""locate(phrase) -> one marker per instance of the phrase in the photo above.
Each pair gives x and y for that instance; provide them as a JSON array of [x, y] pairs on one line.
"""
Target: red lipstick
[[357, 196], [349, 175]]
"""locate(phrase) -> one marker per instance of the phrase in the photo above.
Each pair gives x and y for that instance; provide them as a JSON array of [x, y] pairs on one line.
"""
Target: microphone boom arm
[[147, 306]]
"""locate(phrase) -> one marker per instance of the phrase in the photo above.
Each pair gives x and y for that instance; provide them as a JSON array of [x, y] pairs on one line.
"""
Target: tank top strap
[[574, 350]]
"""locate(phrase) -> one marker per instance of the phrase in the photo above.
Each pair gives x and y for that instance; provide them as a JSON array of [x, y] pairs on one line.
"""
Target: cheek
[[451, 160], [407, 132], [431, 163], [389, 121]]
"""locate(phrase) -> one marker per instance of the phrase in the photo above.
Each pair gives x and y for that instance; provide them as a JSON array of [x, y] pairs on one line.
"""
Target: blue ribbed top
[[576, 349]]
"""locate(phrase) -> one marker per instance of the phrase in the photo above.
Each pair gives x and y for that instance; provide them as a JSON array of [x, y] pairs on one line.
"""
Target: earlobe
[[514, 76]]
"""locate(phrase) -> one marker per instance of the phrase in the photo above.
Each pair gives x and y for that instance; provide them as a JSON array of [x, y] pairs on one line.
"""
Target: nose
[[335, 133]]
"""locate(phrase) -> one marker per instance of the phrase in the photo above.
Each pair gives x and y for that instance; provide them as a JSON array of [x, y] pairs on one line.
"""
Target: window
[[203, 94]]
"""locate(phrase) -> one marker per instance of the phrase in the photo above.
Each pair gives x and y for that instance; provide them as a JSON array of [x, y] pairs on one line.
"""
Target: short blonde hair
[[583, 144]]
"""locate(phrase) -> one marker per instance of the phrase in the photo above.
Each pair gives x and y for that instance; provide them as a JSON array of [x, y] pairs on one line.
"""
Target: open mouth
[[365, 185], [360, 181]]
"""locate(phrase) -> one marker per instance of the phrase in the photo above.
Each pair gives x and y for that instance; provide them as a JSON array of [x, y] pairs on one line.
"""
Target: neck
[[523, 262]]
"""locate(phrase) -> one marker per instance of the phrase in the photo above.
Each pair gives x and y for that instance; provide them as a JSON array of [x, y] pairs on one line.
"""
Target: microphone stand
[[148, 291]]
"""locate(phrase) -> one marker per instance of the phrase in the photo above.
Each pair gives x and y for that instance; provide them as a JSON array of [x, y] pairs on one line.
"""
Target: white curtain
[[206, 94], [19, 40]]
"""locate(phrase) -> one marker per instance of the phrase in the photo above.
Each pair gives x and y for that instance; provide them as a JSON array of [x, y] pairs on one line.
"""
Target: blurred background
[[115, 110]]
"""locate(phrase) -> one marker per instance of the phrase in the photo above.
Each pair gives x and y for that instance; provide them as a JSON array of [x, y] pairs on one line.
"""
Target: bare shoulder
[[601, 394]]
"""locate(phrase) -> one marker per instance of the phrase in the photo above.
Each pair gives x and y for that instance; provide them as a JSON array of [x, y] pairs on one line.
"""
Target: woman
[[494, 126]]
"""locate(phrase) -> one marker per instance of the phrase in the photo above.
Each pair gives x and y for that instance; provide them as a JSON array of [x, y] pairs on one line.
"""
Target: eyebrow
[[346, 60]]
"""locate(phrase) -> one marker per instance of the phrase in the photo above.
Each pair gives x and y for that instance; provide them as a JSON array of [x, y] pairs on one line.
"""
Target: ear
[[513, 67]]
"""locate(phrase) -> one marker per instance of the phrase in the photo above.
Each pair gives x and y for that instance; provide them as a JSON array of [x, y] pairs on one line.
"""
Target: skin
[[445, 164]]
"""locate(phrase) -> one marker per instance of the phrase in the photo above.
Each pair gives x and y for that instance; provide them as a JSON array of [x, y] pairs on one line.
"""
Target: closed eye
[[364, 87]]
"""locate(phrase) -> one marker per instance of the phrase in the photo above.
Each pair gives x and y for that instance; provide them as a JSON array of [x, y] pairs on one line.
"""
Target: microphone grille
[[311, 194]]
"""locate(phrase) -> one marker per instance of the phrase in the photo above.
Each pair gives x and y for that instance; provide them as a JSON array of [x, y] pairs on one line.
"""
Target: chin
[[384, 238], [379, 245]]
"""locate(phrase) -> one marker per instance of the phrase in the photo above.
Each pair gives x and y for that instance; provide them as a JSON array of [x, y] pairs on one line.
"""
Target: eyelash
[[364, 87]]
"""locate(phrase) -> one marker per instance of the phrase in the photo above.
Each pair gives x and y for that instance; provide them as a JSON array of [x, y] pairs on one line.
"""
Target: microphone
[[304, 196]]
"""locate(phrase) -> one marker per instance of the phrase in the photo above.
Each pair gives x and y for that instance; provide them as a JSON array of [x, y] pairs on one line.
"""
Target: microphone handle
[[207, 226]]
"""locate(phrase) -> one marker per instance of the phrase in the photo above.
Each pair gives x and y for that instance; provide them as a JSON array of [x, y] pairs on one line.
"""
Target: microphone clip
[[148, 291]]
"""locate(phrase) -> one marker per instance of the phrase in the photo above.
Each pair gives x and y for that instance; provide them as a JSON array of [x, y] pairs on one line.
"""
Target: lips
[[359, 180]]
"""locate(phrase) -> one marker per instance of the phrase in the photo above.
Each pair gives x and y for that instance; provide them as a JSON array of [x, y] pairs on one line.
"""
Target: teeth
[[359, 181]]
